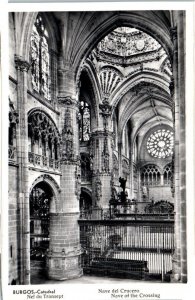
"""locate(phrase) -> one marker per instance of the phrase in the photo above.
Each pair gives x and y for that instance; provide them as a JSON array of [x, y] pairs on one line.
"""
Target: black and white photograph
[[97, 149]]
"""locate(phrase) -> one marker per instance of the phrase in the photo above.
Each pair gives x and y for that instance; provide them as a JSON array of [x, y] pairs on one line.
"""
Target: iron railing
[[142, 210], [131, 210], [127, 248]]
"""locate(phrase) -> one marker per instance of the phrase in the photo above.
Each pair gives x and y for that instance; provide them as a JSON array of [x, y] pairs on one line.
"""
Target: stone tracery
[[44, 140], [160, 143], [150, 175]]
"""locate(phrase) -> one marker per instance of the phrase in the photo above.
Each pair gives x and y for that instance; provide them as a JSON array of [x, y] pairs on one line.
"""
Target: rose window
[[160, 143]]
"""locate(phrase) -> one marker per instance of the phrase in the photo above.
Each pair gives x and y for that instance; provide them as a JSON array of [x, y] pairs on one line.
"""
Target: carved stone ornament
[[160, 207], [67, 137], [173, 32], [13, 114], [41, 126], [67, 101], [110, 78], [49, 179], [172, 177], [105, 157], [77, 182], [127, 43], [140, 44], [91, 153], [105, 108], [98, 188], [21, 64], [172, 87], [113, 189]]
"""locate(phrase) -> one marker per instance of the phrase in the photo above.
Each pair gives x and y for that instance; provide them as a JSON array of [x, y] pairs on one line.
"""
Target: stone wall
[[13, 216]]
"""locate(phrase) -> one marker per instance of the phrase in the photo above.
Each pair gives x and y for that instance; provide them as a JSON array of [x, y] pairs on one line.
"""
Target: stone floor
[[90, 280], [82, 280]]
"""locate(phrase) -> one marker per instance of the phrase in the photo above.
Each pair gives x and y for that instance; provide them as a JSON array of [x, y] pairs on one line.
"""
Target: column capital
[[68, 101], [21, 64], [105, 108]]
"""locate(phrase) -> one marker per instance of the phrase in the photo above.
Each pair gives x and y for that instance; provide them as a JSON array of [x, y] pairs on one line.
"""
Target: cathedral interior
[[97, 145]]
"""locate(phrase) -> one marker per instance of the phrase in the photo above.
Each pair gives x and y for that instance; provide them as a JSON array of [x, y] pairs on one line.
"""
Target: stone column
[[22, 68], [182, 152], [180, 256], [102, 166], [54, 65], [174, 86], [162, 179], [64, 251], [131, 176], [120, 159], [139, 184]]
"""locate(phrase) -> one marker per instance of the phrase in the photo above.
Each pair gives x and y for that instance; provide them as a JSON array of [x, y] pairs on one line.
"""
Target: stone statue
[[123, 183]]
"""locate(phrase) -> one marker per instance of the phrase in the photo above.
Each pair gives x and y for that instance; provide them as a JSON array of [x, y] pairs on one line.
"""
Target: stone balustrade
[[43, 161]]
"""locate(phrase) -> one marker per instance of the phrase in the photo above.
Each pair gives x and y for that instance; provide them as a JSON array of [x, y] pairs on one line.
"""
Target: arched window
[[85, 168], [150, 175], [85, 200], [84, 121], [167, 174], [40, 59]]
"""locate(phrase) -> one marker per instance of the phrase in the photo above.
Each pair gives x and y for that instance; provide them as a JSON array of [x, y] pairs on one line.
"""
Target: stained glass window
[[84, 119], [160, 143], [40, 59]]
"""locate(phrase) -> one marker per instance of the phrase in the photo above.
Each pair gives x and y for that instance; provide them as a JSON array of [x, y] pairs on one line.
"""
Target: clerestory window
[[40, 59]]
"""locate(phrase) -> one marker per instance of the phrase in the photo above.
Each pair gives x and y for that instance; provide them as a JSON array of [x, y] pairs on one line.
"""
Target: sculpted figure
[[123, 183]]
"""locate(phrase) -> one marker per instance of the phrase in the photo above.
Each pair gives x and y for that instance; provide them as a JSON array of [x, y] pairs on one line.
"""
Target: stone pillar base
[[63, 267], [184, 278], [175, 278], [176, 267]]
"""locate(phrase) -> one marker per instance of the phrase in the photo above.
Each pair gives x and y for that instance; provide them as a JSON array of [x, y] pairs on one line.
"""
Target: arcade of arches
[[94, 97]]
